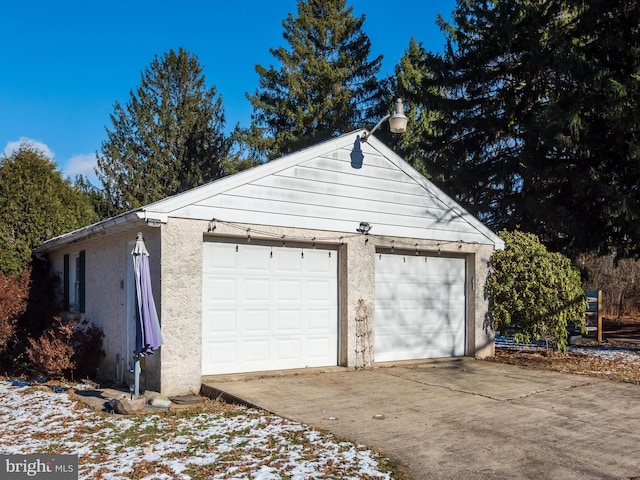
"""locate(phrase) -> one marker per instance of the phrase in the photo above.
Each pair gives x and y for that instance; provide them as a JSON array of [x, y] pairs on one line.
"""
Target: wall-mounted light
[[364, 228], [154, 222], [397, 121]]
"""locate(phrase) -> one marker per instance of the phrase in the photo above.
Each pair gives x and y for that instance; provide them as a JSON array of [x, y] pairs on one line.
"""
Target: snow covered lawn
[[226, 442]]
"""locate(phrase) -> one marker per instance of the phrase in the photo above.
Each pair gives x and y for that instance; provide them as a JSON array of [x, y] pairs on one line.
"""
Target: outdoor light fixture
[[364, 228], [397, 121], [154, 222]]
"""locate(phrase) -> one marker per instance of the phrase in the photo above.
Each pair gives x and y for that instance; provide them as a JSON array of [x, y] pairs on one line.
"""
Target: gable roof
[[331, 186]]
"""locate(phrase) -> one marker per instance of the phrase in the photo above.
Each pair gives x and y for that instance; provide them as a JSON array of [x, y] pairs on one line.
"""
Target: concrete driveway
[[463, 418]]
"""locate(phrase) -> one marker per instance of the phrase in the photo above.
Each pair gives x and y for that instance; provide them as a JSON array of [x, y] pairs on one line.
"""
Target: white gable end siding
[[327, 192]]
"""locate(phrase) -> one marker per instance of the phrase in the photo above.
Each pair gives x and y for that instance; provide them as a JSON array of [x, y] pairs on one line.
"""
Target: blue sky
[[67, 62]]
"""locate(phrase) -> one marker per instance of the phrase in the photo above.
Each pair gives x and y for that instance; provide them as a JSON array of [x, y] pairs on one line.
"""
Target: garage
[[268, 307], [420, 307]]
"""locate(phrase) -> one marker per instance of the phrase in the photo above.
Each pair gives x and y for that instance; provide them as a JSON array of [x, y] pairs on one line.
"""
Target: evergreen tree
[[604, 101], [411, 73], [102, 207], [325, 84], [167, 139], [539, 126], [36, 204]]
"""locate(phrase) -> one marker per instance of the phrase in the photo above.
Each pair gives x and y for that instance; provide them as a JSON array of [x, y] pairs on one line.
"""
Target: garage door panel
[[404, 290], [319, 347], [420, 307], [222, 263], [289, 320], [447, 293], [435, 344], [289, 291], [384, 291], [319, 265], [226, 322], [404, 322], [319, 319], [288, 261], [404, 348], [221, 351], [251, 259], [254, 290], [256, 350], [320, 290], [288, 349], [256, 322], [285, 308], [426, 331], [222, 289]]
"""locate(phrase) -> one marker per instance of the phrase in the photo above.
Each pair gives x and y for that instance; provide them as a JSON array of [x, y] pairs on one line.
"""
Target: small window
[[74, 282]]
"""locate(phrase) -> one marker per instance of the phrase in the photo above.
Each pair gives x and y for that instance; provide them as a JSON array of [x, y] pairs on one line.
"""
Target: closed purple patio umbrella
[[148, 333]]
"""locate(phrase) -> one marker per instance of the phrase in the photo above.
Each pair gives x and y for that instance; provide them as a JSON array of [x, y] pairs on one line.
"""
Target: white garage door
[[268, 308], [420, 307]]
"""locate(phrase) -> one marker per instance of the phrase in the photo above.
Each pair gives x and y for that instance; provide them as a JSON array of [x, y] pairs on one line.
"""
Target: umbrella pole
[[136, 375]]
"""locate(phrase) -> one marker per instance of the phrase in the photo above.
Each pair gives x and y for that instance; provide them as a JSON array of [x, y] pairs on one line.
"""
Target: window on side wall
[[74, 282]]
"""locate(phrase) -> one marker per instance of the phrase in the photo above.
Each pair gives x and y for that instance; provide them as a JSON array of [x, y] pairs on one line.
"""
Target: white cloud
[[13, 146], [84, 165], [81, 164]]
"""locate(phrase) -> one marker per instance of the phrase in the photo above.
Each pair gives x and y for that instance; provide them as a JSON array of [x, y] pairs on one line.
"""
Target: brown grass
[[619, 369]]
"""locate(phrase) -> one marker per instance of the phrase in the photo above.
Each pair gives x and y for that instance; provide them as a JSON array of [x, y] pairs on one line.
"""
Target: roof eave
[[111, 225]]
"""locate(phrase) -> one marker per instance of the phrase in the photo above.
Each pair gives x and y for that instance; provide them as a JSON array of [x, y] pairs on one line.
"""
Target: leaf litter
[[615, 361]]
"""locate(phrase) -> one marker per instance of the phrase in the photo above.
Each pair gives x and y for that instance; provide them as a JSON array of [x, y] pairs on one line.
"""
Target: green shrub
[[535, 292]]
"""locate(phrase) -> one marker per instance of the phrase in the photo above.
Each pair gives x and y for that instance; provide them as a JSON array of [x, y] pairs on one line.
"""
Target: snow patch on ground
[[613, 353], [245, 443]]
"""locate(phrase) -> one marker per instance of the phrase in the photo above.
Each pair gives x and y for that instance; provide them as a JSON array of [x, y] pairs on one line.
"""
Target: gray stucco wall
[[176, 255], [182, 305], [484, 336], [107, 289], [181, 268]]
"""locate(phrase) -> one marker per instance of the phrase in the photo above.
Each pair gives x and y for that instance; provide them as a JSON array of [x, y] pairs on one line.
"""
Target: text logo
[[36, 467]]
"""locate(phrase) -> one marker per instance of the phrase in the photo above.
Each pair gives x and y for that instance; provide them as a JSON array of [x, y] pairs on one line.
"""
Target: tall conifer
[[539, 127], [167, 138], [323, 84]]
